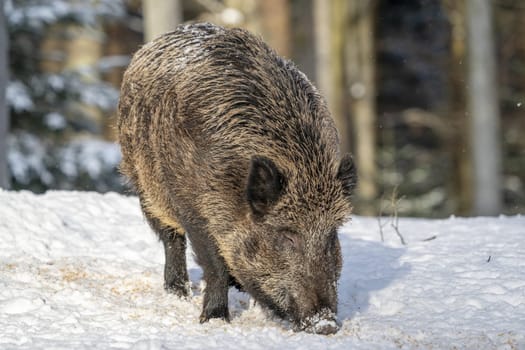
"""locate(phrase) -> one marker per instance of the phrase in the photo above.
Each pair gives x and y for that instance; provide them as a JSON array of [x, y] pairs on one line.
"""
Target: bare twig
[[381, 225], [394, 218], [394, 202], [395, 226], [380, 228]]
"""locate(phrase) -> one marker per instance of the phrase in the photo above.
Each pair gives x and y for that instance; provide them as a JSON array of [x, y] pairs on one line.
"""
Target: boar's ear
[[265, 185], [347, 174]]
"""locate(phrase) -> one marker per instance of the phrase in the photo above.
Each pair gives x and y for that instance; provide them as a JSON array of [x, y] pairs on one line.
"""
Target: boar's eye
[[290, 239]]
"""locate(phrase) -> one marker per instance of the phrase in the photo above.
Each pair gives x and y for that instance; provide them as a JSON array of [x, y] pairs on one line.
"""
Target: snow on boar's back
[[232, 145]]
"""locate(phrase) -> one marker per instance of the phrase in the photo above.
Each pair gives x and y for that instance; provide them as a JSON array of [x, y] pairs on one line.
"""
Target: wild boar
[[231, 145]]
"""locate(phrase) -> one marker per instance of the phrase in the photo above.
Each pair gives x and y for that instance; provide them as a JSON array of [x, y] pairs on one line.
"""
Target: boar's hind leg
[[175, 273]]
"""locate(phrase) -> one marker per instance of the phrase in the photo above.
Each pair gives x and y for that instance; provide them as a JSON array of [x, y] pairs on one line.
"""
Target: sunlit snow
[[84, 271]]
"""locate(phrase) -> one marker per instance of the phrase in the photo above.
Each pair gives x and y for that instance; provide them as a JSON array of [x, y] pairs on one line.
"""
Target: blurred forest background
[[427, 94]]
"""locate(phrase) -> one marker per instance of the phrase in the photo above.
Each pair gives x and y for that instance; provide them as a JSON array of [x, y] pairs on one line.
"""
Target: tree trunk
[[275, 26], [329, 22], [360, 70], [484, 109], [460, 181], [4, 112], [160, 17]]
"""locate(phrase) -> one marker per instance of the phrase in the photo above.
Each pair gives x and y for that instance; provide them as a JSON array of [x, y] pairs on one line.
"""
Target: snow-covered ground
[[83, 271]]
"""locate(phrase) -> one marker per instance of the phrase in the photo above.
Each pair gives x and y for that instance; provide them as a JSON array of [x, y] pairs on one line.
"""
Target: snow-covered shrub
[[87, 164], [57, 127]]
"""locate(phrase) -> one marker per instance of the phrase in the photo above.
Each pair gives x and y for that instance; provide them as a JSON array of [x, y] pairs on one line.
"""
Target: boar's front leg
[[215, 303], [216, 276]]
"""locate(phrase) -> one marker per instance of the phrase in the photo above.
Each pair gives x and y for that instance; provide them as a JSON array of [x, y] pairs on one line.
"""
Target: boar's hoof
[[180, 290], [324, 322], [217, 312]]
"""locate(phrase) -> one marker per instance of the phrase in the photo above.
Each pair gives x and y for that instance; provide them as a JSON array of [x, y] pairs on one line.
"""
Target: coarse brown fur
[[231, 144]]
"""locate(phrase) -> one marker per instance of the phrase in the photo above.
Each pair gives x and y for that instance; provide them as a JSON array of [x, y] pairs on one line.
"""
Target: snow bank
[[83, 271]]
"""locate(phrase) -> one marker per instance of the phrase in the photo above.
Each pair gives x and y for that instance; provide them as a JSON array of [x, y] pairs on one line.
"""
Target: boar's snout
[[324, 322], [316, 309]]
